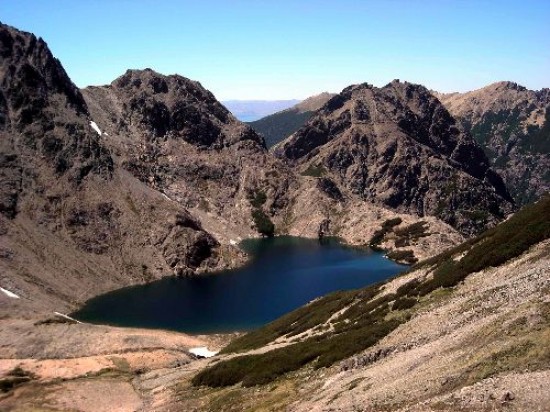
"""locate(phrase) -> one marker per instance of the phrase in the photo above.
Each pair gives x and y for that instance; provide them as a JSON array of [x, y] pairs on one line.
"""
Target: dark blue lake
[[283, 274]]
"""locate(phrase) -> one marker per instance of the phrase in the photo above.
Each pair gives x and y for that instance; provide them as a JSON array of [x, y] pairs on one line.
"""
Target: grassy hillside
[[279, 126], [345, 323]]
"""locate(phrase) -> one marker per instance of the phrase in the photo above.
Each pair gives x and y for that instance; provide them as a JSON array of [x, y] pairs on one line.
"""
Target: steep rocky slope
[[173, 135], [72, 222], [512, 125], [278, 126], [399, 148], [466, 330]]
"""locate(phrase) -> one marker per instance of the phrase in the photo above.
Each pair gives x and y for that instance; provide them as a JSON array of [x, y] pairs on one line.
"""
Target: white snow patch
[[95, 127], [165, 196], [202, 352], [66, 317], [9, 294], [232, 242]]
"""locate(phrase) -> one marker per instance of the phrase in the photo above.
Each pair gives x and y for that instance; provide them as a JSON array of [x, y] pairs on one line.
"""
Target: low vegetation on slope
[[276, 127], [346, 323]]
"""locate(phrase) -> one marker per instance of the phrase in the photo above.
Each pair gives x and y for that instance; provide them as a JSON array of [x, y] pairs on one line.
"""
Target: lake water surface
[[284, 273]]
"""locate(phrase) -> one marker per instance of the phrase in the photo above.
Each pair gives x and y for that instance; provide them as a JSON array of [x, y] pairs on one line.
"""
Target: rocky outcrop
[[43, 119], [66, 206], [398, 147], [512, 125], [172, 134]]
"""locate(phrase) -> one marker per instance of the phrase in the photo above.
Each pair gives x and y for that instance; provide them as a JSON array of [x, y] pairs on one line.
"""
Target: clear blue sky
[[292, 49]]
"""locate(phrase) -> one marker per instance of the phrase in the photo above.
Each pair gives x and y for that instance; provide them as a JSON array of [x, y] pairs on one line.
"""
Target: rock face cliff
[[512, 125], [73, 223], [397, 146], [173, 135]]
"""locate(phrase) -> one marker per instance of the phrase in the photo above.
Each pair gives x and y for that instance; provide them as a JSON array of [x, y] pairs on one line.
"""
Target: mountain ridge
[[150, 176], [512, 125], [63, 192], [357, 134]]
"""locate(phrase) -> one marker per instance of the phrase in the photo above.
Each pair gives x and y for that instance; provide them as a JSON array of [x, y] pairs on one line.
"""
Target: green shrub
[[410, 233], [263, 223], [365, 321], [379, 235], [404, 303], [492, 248], [408, 289], [323, 351], [362, 325], [314, 171], [402, 242], [391, 223], [402, 256], [257, 198], [293, 323], [414, 231], [15, 377]]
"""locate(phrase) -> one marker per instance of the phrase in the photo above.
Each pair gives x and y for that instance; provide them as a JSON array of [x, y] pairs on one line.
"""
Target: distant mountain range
[[251, 110]]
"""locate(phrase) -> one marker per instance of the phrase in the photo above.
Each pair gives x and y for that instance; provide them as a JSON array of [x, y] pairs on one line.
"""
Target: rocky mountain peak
[[28, 67], [398, 146], [511, 123], [172, 134], [170, 107], [505, 85], [73, 223]]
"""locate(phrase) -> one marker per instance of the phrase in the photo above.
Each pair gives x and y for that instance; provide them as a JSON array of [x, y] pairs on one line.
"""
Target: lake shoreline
[[294, 271]]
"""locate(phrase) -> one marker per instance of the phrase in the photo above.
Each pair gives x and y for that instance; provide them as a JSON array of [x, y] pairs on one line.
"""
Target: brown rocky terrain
[[225, 179], [58, 365], [73, 223], [173, 135], [113, 186], [150, 176], [512, 125], [399, 148]]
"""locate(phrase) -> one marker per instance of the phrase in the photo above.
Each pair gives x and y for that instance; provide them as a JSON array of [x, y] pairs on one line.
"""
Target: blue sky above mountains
[[293, 49]]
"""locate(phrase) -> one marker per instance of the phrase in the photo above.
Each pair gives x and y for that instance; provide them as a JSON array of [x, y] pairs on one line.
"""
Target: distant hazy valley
[[150, 177], [252, 110]]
